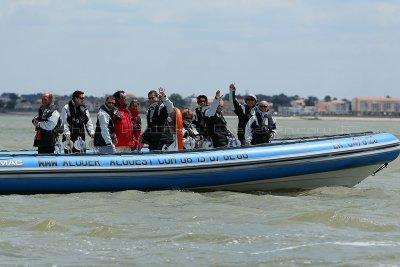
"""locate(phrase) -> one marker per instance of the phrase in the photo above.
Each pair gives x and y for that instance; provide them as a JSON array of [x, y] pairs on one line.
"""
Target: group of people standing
[[118, 126]]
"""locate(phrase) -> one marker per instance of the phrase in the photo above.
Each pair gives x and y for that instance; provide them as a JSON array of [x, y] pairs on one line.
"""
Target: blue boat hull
[[343, 160]]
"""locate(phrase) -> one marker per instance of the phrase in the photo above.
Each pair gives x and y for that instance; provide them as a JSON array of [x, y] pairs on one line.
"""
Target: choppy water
[[323, 227]]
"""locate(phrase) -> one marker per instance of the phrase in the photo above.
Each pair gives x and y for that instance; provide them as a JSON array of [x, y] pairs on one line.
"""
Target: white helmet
[[207, 145], [68, 145], [79, 144]]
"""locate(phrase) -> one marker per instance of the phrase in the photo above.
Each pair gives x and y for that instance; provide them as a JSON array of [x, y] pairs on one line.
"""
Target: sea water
[[323, 227]]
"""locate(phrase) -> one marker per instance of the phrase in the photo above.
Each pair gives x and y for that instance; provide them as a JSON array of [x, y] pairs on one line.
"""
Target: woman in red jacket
[[136, 120]]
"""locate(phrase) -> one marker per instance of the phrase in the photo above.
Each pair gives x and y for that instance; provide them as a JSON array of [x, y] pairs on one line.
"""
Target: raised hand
[[232, 86], [161, 91], [218, 94]]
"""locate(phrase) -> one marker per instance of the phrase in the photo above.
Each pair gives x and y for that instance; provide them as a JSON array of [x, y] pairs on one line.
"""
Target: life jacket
[[216, 129], [98, 138], [200, 123], [190, 130], [77, 120], [158, 131], [44, 138], [190, 135], [243, 118], [261, 132]]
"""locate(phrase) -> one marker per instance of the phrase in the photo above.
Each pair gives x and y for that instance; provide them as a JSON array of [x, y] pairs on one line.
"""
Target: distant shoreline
[[14, 113], [339, 118], [328, 118], [324, 118]]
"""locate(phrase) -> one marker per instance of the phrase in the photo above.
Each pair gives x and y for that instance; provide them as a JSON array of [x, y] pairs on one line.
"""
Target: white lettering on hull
[[9, 163]]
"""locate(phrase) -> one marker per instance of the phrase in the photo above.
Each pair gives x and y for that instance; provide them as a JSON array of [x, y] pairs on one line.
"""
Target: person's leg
[[106, 149], [123, 149], [46, 150]]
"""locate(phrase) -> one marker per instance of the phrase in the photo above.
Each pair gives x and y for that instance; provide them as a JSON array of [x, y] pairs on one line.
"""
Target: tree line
[[176, 98]]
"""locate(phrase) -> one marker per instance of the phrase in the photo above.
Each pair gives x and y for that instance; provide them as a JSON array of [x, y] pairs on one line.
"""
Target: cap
[[251, 96]]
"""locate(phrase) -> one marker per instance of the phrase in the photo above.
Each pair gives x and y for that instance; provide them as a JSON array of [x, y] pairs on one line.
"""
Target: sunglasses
[[188, 118], [263, 106], [111, 103]]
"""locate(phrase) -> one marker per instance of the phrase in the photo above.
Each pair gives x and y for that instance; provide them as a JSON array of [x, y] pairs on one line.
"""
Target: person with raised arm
[[158, 133], [243, 112], [216, 124]]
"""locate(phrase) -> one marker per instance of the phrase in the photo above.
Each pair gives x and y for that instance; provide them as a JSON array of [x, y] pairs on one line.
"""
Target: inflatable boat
[[287, 164]]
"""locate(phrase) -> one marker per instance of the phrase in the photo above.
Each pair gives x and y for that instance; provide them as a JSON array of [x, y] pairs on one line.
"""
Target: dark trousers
[[241, 137], [46, 150]]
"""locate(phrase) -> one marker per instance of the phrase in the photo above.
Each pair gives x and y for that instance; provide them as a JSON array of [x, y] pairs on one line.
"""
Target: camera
[[35, 118], [76, 121]]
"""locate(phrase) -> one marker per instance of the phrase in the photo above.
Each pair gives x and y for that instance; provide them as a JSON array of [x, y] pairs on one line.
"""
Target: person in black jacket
[[261, 128], [104, 136], [243, 112], [76, 119], [216, 124], [46, 123], [158, 133], [199, 117]]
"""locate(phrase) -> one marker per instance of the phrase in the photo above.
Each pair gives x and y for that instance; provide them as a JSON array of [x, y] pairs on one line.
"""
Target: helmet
[[79, 144]]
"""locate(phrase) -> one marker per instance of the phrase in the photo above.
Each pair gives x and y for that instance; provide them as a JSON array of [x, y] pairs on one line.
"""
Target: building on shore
[[334, 107], [297, 107], [375, 106]]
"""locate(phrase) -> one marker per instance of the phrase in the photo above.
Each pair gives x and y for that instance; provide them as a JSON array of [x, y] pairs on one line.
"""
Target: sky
[[316, 48]]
